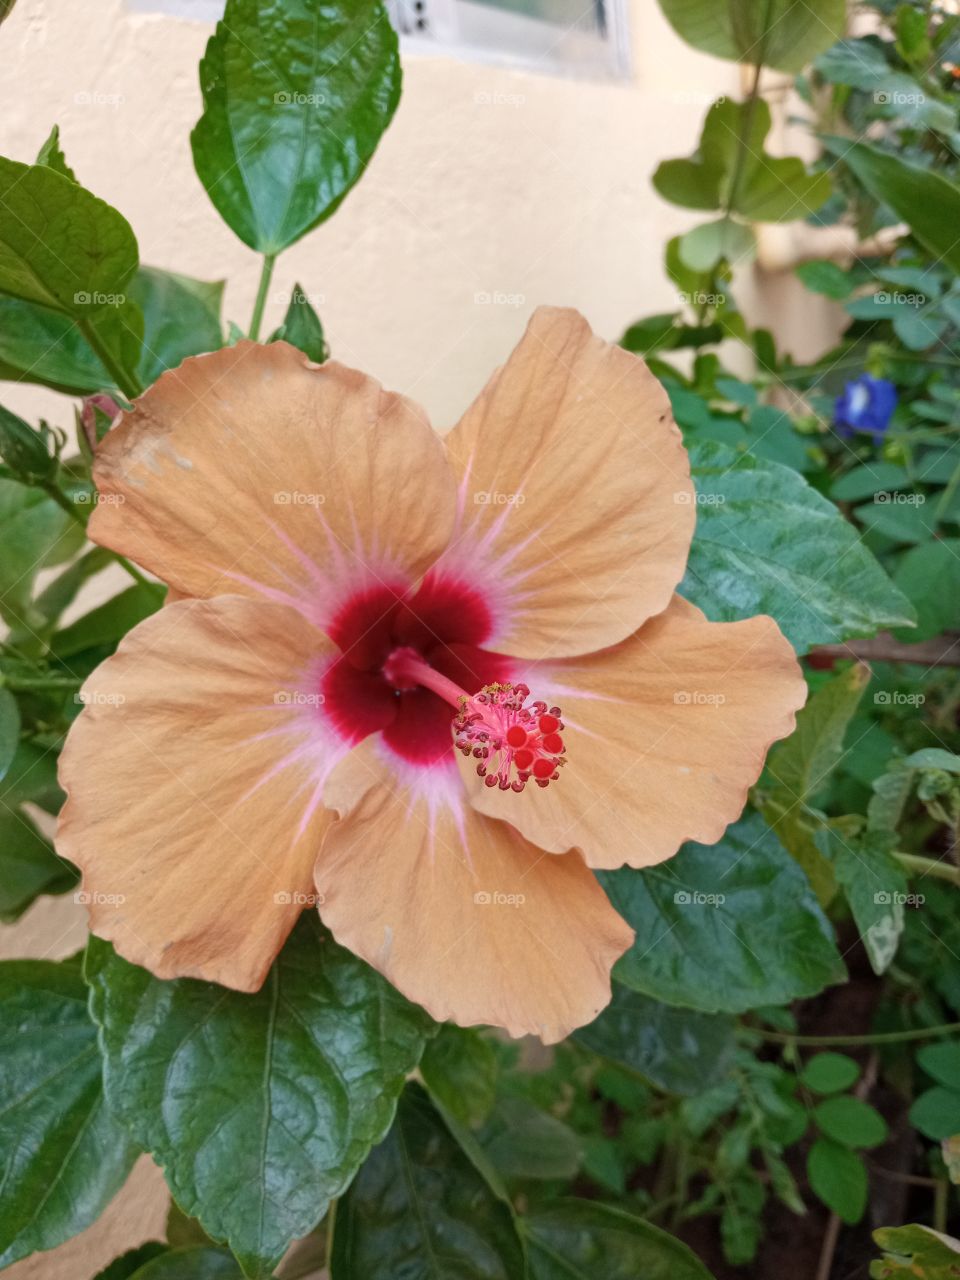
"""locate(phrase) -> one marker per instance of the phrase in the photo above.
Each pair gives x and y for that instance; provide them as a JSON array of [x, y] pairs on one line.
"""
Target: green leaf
[[900, 521], [779, 33], [190, 1264], [181, 318], [725, 928], [915, 1252], [936, 1113], [108, 623], [866, 480], [850, 1121], [418, 1208], [259, 1107], [569, 1239], [731, 170], [62, 1155], [25, 450], [28, 864], [678, 1050], [521, 1141], [127, 1264], [801, 767], [941, 1061], [829, 1073], [929, 576], [826, 277], [39, 344], [766, 542], [62, 247], [459, 1067], [923, 198], [296, 98], [705, 247], [837, 1177], [302, 328], [875, 887], [51, 154], [35, 534], [9, 730]]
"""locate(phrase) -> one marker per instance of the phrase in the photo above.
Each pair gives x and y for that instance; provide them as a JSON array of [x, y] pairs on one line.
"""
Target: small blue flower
[[867, 404]]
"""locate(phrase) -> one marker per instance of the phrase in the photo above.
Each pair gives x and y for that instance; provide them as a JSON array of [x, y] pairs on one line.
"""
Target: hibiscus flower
[[424, 683]]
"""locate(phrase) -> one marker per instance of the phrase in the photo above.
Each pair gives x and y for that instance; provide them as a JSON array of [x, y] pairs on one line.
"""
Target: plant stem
[[942, 651], [53, 490], [881, 1037], [940, 1206], [126, 382], [929, 867], [266, 274]]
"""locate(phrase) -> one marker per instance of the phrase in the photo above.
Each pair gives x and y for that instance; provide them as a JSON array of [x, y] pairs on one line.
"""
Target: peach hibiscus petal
[[663, 734], [194, 777], [459, 912], [252, 471], [575, 509]]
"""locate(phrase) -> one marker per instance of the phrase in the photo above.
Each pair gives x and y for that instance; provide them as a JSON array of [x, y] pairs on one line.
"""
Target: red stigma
[[511, 741]]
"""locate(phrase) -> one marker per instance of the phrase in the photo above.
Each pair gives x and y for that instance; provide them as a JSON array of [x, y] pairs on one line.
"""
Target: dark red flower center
[[445, 624]]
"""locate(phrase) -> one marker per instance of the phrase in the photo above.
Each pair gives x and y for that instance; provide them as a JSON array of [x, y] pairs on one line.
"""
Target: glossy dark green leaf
[[181, 318], [801, 767], [62, 1154], [62, 247], [129, 1263], [109, 622], [583, 1240], [731, 170], [418, 1209], [923, 198], [725, 928], [780, 33], [679, 1050], [28, 864], [260, 1107], [190, 1264], [850, 1121], [39, 344], [9, 730], [830, 1072], [302, 328], [915, 1252], [296, 98], [51, 154], [459, 1067], [837, 1177], [766, 542]]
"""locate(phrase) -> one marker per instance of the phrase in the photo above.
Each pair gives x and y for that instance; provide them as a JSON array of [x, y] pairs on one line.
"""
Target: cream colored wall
[[545, 196]]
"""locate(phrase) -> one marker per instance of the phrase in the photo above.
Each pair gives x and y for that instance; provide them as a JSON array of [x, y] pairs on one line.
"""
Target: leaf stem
[[126, 382], [266, 274], [881, 1037], [53, 490], [929, 867]]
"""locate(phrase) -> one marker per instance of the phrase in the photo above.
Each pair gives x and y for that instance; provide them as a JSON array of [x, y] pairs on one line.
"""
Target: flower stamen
[[513, 741]]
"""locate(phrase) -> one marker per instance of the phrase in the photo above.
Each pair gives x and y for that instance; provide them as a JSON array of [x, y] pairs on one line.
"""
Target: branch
[[941, 651]]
